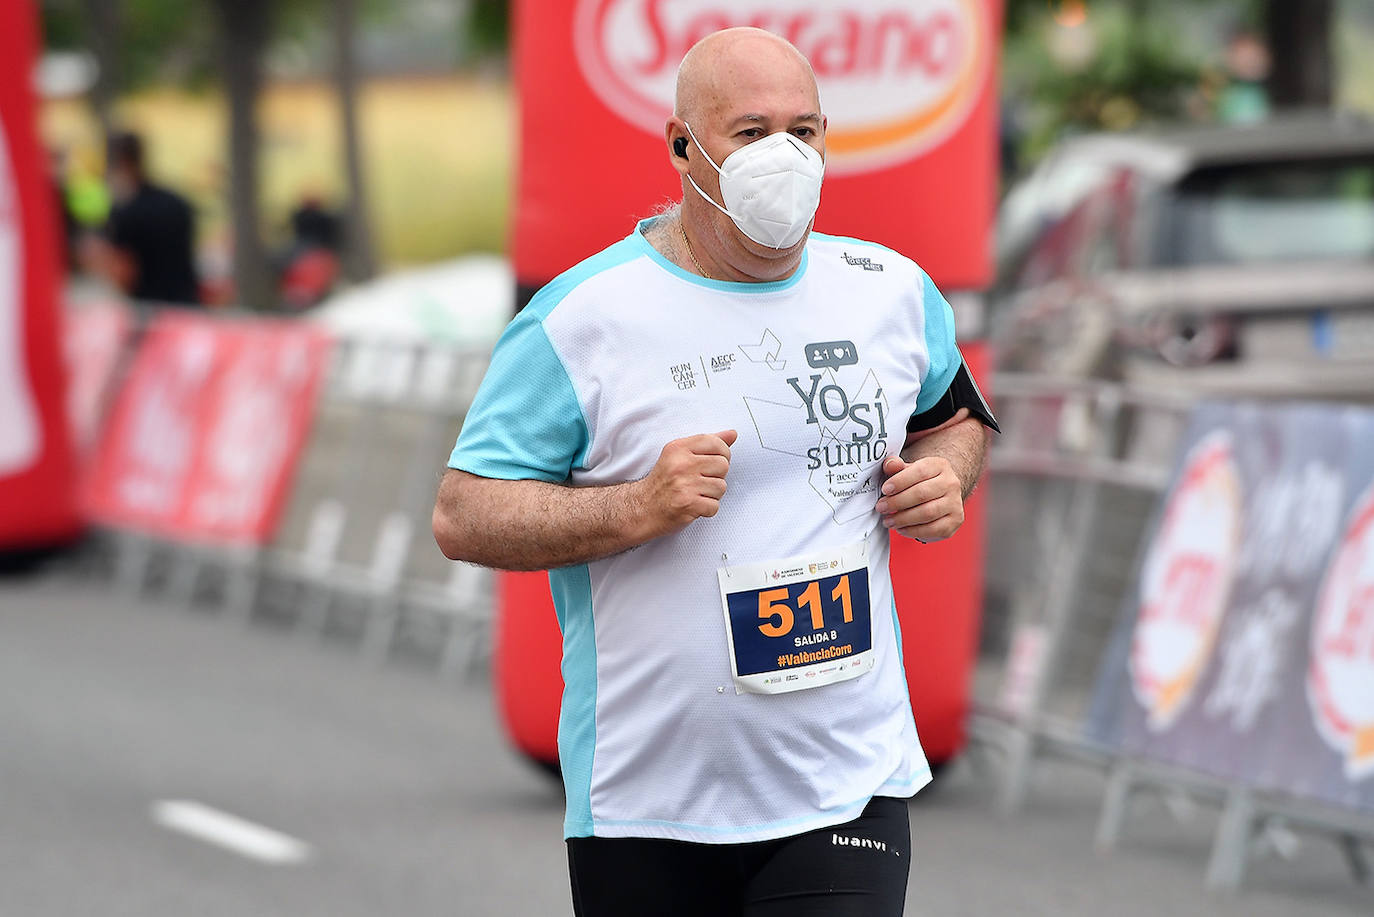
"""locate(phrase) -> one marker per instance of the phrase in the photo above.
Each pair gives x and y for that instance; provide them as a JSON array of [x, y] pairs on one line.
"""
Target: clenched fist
[[923, 499], [687, 481]]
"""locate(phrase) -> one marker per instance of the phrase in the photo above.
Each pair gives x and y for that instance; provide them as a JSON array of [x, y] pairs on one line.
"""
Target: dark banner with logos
[[1246, 648]]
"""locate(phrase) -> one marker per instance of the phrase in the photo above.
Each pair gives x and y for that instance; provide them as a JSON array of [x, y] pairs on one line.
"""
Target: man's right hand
[[687, 481]]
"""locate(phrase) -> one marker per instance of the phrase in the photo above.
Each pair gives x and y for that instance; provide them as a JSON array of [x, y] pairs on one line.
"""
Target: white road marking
[[230, 832]]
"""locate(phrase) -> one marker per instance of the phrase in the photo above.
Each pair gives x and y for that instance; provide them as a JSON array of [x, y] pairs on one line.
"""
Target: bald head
[[726, 69], [736, 87]]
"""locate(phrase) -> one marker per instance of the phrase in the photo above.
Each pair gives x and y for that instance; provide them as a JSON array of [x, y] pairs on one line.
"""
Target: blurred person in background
[[308, 267], [314, 226], [703, 778], [1243, 99], [150, 237]]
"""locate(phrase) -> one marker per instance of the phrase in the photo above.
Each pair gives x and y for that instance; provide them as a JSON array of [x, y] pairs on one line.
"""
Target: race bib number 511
[[798, 623]]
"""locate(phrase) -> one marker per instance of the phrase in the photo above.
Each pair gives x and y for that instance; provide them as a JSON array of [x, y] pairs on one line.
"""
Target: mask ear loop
[[691, 134], [704, 195]]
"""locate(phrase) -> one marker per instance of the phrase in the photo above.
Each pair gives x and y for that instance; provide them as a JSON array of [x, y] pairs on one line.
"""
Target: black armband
[[962, 393]]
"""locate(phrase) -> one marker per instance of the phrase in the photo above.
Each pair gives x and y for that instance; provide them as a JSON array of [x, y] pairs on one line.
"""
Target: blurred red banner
[[94, 335], [205, 434], [909, 87], [37, 471]]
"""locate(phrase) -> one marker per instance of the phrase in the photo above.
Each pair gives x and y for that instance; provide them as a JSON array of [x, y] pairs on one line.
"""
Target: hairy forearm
[[535, 525], [962, 442]]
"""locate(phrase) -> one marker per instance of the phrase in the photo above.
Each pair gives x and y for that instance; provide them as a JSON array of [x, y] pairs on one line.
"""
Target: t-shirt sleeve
[[526, 422], [945, 359]]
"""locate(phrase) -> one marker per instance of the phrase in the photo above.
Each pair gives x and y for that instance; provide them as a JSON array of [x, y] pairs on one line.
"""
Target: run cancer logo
[[1340, 675], [899, 76], [1186, 580]]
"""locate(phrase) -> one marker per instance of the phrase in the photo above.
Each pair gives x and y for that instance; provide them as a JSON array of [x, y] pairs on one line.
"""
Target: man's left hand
[[922, 499]]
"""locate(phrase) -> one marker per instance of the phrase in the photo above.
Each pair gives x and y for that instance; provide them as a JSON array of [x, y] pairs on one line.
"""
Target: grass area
[[437, 152], [1355, 63]]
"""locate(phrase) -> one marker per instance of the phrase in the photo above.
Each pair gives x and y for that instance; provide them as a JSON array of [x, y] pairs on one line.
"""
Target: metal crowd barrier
[[1074, 481], [353, 556], [358, 523]]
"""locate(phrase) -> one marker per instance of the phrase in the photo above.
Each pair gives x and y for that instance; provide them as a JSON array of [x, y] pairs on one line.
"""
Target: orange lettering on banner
[[1172, 693], [1363, 747]]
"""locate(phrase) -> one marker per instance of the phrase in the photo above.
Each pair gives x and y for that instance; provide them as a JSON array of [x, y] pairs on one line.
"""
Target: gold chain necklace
[[693, 255]]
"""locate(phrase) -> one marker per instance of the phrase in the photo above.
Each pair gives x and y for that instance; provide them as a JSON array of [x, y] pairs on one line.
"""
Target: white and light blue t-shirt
[[819, 374]]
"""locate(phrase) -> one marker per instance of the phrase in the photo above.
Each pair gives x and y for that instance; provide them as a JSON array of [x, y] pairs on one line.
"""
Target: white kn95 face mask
[[771, 187]]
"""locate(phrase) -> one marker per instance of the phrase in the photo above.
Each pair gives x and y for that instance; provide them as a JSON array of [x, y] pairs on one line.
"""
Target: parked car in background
[[1229, 261]]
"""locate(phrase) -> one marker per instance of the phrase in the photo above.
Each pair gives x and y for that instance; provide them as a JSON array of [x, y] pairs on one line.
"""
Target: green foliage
[[1132, 68], [162, 39], [165, 41], [488, 27], [63, 25], [157, 39]]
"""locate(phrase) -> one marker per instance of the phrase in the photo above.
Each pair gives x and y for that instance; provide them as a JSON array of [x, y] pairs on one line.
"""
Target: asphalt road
[[396, 793]]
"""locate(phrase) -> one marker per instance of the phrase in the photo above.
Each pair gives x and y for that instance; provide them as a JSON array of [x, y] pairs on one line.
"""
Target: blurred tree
[[1109, 64], [103, 17], [244, 29], [135, 42], [1112, 72], [488, 27], [359, 259], [1300, 46]]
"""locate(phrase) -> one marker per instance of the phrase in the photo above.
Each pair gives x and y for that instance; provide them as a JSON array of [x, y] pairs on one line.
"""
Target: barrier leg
[[1058, 611], [383, 616], [1065, 578], [1020, 745], [1115, 801], [984, 750], [181, 583], [1355, 858], [462, 649], [315, 606], [457, 649], [241, 591], [1226, 868], [131, 564]]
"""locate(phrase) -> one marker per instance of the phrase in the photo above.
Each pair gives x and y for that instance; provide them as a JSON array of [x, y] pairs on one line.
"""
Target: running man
[[705, 432]]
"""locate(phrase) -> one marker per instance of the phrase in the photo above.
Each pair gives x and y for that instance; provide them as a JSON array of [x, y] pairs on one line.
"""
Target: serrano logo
[[896, 76], [1341, 667], [1186, 580]]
